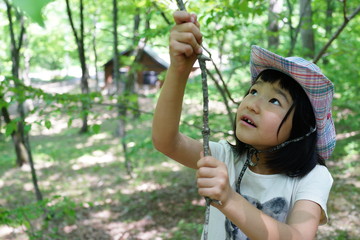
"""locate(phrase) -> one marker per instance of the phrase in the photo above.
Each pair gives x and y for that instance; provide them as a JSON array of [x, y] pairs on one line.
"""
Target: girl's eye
[[253, 92], [275, 101]]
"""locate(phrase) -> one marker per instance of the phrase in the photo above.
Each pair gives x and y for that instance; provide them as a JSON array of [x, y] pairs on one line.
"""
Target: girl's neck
[[260, 167], [261, 170]]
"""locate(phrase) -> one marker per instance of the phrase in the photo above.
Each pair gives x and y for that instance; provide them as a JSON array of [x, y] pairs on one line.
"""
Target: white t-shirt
[[273, 194]]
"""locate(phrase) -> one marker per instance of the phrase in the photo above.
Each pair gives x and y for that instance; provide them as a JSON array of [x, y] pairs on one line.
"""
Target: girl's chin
[[253, 144]]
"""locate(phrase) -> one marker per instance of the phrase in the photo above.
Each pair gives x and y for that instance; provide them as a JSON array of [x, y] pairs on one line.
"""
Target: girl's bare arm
[[185, 40]]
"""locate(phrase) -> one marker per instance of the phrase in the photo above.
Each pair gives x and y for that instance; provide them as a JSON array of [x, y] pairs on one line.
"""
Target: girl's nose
[[254, 105]]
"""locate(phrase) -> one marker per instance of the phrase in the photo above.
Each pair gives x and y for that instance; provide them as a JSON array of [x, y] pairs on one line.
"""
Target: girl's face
[[261, 113]]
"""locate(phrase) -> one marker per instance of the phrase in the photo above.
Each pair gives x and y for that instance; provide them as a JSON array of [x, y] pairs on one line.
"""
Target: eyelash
[[253, 91], [274, 99]]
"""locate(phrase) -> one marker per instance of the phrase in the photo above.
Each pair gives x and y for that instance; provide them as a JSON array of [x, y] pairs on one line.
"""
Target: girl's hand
[[185, 41], [213, 180]]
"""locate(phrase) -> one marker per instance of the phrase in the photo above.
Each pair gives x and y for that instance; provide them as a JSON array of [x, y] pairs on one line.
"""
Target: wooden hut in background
[[152, 66]]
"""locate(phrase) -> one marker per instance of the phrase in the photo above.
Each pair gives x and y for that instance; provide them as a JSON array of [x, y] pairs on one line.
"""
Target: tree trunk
[[329, 22], [347, 19], [38, 193], [20, 137], [273, 27], [307, 32], [23, 149], [136, 26], [330, 6], [122, 105], [79, 38], [15, 46], [20, 149], [94, 34], [116, 64], [84, 70]]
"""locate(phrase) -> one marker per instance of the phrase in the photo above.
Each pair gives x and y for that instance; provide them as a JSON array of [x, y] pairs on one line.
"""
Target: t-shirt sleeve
[[315, 186]]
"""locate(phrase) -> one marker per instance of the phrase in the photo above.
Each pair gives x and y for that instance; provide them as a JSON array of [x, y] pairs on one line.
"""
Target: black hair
[[297, 158]]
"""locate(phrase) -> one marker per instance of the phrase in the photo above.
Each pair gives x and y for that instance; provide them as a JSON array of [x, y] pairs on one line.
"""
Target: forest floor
[[92, 196]]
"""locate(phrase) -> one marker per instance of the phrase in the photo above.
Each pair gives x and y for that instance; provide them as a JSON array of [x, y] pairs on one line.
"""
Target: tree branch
[[298, 27], [72, 22], [161, 13], [226, 90], [336, 34]]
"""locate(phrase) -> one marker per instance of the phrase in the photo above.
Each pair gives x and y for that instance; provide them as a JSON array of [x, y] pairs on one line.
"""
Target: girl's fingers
[[185, 38], [206, 172], [211, 192], [204, 183], [179, 48], [194, 16], [186, 32], [208, 161], [183, 16], [186, 22], [206, 192], [189, 28]]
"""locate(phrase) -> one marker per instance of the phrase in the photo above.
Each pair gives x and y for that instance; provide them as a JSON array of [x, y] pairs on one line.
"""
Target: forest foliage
[[39, 45]]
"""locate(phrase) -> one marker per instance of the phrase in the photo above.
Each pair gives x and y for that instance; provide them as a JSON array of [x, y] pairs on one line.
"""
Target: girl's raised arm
[[185, 44]]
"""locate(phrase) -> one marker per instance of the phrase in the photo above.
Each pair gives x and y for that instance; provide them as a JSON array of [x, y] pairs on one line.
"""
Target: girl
[[272, 183]]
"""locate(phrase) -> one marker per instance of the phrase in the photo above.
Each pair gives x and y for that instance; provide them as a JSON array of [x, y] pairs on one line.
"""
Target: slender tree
[[18, 135], [293, 31], [116, 64], [94, 45], [120, 87], [330, 7], [275, 7], [307, 31], [80, 42]]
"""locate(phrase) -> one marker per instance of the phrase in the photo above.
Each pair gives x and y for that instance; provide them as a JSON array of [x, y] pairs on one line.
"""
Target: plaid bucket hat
[[317, 86]]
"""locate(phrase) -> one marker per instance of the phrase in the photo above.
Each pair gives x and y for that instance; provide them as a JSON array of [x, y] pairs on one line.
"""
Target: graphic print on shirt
[[276, 208]]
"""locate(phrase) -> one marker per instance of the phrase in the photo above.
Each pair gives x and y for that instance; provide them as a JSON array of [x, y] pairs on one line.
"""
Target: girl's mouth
[[248, 121]]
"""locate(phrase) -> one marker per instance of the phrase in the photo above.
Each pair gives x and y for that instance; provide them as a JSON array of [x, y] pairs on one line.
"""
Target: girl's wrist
[[178, 72], [227, 202]]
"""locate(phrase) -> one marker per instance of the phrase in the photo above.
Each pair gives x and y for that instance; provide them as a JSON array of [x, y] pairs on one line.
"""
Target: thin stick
[[205, 134], [206, 130], [202, 62]]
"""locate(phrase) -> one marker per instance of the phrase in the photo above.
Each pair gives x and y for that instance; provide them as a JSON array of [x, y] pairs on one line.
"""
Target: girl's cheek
[[241, 105]]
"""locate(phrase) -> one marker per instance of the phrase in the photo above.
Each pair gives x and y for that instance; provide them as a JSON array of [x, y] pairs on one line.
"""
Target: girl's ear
[[201, 154]]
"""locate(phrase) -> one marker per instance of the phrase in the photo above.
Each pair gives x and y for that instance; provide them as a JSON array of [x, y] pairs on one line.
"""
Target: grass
[[89, 175], [90, 195]]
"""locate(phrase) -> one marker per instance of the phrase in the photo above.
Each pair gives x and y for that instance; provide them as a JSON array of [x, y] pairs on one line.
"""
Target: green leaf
[[10, 127], [27, 128], [96, 128], [47, 124], [33, 9], [69, 123]]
